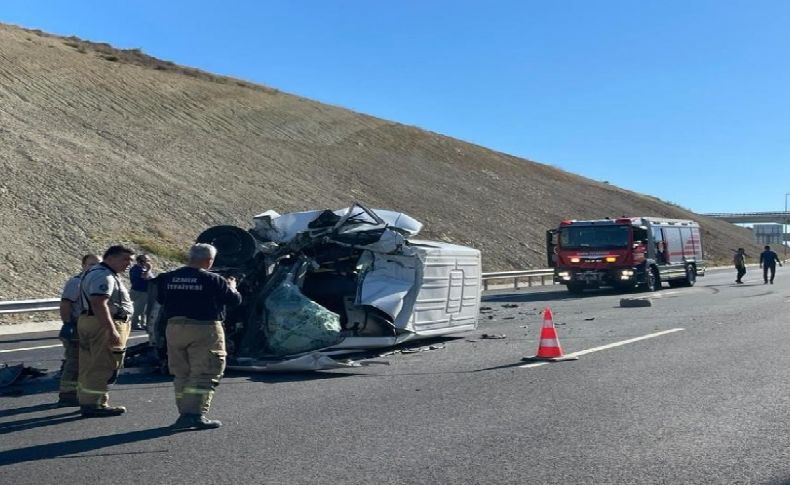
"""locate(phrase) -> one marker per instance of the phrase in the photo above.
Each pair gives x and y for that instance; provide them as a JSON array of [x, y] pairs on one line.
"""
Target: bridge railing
[[747, 214]]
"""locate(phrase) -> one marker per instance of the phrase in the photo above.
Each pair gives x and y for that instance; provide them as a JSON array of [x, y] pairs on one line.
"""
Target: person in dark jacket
[[139, 275], [768, 260]]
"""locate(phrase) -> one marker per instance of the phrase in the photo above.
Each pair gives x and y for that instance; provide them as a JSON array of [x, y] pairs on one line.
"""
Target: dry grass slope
[[99, 145]]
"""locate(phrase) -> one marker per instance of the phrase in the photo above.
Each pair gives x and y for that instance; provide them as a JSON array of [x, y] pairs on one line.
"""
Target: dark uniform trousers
[[71, 365], [766, 269], [196, 357], [99, 362]]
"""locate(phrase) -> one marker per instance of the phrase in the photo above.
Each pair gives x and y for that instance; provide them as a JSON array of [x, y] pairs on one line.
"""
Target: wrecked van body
[[320, 283]]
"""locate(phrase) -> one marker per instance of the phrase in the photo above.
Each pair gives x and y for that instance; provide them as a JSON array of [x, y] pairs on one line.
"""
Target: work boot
[[101, 411], [203, 422], [68, 400], [195, 421]]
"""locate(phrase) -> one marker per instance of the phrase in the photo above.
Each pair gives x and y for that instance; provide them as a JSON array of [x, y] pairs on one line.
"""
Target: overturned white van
[[320, 282]]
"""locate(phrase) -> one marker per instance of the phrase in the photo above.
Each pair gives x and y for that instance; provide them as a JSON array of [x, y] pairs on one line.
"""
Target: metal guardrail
[[22, 306], [531, 276]]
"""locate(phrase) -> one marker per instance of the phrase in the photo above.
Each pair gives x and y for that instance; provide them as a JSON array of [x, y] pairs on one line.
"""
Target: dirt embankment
[[99, 146]]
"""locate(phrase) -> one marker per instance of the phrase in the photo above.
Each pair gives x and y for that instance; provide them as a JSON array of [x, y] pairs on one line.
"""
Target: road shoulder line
[[608, 346]]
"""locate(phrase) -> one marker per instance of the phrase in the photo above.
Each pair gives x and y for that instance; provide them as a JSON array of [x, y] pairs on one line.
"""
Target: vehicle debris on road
[[493, 336], [635, 302], [13, 375]]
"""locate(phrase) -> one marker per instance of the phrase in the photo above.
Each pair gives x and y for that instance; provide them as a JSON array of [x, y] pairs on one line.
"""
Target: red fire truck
[[625, 253]]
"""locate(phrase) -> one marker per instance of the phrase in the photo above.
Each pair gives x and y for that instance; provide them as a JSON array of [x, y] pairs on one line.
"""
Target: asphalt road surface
[[690, 390]]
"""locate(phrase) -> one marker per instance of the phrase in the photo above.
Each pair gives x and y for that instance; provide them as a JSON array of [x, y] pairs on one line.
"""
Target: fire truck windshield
[[594, 237]]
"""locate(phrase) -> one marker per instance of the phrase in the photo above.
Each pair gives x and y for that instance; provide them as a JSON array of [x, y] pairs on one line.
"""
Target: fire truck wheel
[[575, 288], [652, 281], [691, 276]]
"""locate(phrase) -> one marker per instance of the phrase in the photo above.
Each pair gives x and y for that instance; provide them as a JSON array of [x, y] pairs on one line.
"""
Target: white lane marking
[[53, 346], [608, 346]]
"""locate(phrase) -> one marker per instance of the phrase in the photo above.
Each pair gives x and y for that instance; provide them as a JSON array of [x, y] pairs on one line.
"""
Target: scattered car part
[[635, 302]]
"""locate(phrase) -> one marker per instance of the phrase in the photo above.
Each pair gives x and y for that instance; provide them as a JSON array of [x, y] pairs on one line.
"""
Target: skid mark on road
[[608, 346], [52, 346]]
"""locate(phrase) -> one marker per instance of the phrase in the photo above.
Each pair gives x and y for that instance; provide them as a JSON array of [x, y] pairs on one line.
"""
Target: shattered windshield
[[594, 237]]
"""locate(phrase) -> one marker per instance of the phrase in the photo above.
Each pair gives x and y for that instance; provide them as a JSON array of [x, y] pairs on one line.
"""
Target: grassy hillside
[[99, 145]]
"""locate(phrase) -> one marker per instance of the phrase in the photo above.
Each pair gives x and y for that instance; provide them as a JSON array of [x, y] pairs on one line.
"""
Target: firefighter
[[103, 329], [193, 301], [70, 309]]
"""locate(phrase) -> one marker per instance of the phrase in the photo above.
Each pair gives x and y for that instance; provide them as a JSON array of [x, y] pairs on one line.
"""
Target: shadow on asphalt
[[4, 413], [65, 449], [731, 285], [282, 377], [23, 424], [51, 382]]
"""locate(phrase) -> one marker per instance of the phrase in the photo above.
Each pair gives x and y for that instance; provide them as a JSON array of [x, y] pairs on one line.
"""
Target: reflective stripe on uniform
[[91, 391], [195, 390]]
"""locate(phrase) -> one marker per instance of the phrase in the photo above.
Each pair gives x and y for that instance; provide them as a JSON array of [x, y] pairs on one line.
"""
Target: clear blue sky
[[685, 100]]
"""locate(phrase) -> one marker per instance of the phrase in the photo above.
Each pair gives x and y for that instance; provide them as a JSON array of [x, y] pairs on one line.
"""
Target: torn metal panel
[[387, 282], [273, 226]]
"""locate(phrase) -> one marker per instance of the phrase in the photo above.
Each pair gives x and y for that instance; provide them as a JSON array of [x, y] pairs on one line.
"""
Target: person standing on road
[[103, 329], [139, 275], [70, 309], [193, 301], [739, 260], [768, 260]]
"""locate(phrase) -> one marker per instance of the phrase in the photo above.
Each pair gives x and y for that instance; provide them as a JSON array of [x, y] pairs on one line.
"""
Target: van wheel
[[652, 281]]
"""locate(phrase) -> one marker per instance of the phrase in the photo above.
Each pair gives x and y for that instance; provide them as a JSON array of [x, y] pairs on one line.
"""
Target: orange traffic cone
[[549, 345]]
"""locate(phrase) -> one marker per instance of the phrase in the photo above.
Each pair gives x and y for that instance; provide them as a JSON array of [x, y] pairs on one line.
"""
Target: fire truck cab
[[625, 253]]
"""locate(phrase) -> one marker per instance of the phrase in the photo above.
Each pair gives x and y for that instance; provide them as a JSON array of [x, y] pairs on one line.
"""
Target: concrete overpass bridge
[[754, 218]]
